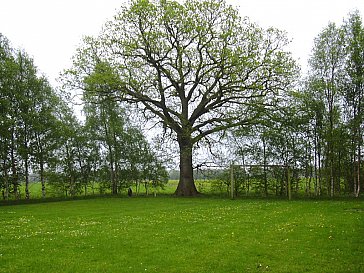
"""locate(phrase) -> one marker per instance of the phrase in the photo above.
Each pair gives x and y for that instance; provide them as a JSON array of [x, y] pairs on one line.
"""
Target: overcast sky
[[49, 31]]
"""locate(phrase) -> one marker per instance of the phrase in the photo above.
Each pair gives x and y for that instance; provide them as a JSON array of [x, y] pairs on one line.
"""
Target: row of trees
[[27, 116], [319, 132], [201, 72], [40, 136]]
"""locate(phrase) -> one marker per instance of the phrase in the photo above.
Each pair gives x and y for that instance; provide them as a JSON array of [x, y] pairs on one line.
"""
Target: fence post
[[289, 183], [232, 180]]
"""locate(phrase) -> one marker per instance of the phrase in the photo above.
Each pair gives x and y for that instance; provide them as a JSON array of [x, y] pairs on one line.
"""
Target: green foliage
[[183, 235], [40, 135], [317, 129], [27, 122], [127, 156], [336, 104]]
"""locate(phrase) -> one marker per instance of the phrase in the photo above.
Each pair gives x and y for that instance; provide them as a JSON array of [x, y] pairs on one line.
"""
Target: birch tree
[[354, 90], [327, 66]]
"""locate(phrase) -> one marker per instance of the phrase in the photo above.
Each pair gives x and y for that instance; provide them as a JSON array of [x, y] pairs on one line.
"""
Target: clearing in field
[[167, 234]]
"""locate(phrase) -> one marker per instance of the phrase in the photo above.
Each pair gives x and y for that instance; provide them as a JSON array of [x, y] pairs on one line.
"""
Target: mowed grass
[[167, 234]]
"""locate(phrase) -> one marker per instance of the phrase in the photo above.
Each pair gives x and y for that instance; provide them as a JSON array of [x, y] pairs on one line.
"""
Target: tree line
[[41, 136], [200, 72], [319, 130]]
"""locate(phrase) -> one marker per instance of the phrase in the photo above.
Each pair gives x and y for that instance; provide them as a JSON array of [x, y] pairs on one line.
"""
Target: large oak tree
[[197, 67]]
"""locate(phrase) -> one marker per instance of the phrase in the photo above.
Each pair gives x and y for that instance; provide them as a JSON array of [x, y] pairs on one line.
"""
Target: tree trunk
[[315, 161], [360, 139], [26, 162], [14, 167], [265, 167], [332, 192], [357, 190], [186, 185], [111, 159], [42, 181], [319, 169], [71, 177], [6, 181], [27, 193]]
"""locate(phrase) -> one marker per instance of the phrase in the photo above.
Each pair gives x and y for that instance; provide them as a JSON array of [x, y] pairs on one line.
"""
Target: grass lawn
[[167, 234]]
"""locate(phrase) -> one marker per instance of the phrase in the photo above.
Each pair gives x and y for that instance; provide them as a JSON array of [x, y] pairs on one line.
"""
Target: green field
[[167, 234]]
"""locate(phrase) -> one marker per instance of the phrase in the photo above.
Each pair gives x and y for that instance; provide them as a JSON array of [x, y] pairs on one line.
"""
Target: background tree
[[327, 66], [197, 67], [26, 93], [46, 130], [64, 168], [333, 92], [122, 145], [354, 91], [106, 119], [7, 76], [272, 145]]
